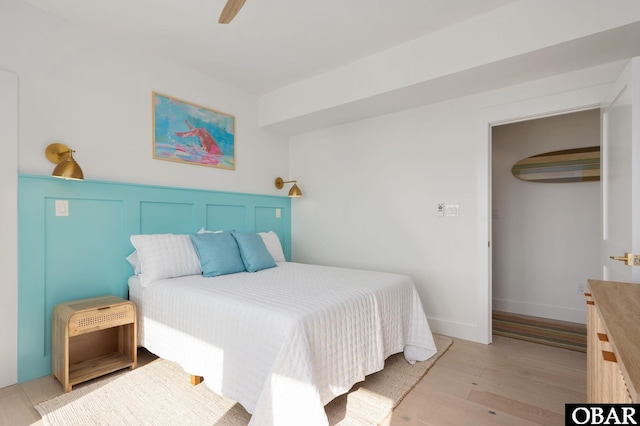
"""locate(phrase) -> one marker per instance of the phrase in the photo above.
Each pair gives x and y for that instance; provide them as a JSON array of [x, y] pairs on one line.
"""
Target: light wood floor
[[509, 382]]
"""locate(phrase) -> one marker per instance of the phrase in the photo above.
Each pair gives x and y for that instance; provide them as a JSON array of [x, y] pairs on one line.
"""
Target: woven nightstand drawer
[[110, 316]]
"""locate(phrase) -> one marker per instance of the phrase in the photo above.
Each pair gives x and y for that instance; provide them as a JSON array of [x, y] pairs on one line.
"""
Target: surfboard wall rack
[[569, 165]]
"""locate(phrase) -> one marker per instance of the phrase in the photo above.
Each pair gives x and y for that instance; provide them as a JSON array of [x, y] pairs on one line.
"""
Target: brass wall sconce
[[294, 191], [66, 168]]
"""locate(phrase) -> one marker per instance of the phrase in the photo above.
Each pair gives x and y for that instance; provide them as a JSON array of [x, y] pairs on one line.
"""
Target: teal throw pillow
[[255, 255], [218, 252]]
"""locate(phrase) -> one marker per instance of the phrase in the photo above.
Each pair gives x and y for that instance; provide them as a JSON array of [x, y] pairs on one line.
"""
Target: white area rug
[[160, 394]]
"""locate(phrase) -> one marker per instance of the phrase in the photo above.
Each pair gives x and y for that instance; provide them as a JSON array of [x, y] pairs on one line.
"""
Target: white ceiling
[[270, 43]]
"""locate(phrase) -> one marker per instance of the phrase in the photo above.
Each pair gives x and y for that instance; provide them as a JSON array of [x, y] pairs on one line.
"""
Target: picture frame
[[193, 134]]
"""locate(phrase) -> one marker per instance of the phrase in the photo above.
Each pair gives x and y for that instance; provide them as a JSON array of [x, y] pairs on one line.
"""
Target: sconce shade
[[67, 167], [294, 191]]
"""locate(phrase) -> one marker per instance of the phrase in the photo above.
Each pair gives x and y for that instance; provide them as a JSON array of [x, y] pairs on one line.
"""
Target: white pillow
[[206, 231], [165, 256], [274, 247], [134, 261]]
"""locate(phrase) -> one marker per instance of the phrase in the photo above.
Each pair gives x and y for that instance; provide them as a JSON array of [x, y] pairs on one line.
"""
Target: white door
[[621, 175]]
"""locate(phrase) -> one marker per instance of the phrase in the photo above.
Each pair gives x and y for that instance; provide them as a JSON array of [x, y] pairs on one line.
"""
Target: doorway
[[545, 236]]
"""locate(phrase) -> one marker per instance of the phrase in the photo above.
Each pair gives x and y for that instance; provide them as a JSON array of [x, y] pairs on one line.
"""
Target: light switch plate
[[62, 207], [452, 210]]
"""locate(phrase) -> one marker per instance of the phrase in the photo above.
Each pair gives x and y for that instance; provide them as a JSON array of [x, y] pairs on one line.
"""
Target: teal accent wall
[[62, 258]]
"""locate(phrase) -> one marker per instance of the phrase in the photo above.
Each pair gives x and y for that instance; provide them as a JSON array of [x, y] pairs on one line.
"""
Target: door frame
[[557, 103], [9, 229], [538, 117]]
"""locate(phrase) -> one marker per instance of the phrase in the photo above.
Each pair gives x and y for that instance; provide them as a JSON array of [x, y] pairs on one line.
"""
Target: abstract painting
[[193, 134]]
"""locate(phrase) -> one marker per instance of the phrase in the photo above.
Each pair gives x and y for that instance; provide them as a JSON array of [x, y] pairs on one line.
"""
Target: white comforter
[[283, 341]]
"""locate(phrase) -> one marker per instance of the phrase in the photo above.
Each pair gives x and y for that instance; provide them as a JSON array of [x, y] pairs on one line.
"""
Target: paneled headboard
[[82, 254]]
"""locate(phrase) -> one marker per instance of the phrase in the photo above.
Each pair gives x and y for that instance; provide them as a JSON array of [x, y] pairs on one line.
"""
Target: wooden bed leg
[[196, 380]]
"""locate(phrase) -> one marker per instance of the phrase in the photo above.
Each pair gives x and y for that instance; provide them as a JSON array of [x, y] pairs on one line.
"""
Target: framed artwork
[[192, 134]]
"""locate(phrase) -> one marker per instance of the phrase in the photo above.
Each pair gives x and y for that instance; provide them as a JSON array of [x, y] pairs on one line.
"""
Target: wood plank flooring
[[510, 382]]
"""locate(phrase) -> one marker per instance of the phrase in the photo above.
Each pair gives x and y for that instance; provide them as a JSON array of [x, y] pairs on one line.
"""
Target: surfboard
[[569, 165]]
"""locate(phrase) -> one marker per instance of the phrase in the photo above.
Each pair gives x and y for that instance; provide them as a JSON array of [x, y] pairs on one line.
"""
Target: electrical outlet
[[581, 289]]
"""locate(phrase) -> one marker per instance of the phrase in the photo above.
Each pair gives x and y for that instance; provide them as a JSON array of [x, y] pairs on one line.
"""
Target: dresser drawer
[[613, 342]]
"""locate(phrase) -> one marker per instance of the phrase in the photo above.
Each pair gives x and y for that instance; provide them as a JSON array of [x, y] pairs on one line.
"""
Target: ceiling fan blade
[[230, 10]]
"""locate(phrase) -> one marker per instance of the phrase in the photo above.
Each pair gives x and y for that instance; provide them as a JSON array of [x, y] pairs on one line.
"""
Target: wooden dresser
[[613, 342]]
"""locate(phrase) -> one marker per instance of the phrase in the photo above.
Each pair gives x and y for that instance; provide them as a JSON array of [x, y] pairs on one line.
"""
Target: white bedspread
[[283, 341]]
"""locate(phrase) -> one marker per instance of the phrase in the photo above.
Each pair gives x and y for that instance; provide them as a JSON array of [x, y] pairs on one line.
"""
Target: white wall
[[371, 189], [9, 228], [93, 93], [546, 236]]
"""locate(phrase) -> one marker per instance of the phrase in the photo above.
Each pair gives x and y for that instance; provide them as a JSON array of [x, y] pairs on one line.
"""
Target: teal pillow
[[218, 252], [254, 253]]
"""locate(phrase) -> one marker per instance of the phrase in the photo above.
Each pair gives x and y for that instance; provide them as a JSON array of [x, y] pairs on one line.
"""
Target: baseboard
[[465, 331], [543, 311]]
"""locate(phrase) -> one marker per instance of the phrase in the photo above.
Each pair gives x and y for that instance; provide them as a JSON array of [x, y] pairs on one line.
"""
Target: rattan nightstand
[[92, 337]]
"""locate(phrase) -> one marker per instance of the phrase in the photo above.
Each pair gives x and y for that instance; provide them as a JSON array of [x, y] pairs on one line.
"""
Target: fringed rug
[[160, 394], [561, 334]]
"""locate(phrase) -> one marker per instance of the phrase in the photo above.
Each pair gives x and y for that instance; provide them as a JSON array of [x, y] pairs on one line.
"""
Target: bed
[[282, 341]]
